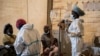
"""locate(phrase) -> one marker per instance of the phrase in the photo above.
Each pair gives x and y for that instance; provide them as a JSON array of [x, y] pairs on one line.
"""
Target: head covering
[[20, 23], [78, 10]]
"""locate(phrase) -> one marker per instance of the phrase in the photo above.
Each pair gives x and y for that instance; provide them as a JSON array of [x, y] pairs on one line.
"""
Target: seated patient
[[8, 38], [46, 40]]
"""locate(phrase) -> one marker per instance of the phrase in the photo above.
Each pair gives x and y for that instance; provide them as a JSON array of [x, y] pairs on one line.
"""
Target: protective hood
[[28, 26]]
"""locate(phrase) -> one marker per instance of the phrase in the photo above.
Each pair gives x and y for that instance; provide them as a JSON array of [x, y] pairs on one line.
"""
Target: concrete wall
[[33, 11], [91, 19], [37, 13]]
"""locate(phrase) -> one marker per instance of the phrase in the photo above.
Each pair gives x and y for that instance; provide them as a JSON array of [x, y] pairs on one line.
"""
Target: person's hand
[[46, 49], [72, 34], [53, 46]]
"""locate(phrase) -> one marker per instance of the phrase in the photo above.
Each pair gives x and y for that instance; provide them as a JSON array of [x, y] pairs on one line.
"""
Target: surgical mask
[[9, 31], [47, 32], [72, 17]]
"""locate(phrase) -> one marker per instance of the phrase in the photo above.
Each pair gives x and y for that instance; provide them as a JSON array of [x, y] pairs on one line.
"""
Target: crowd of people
[[27, 42]]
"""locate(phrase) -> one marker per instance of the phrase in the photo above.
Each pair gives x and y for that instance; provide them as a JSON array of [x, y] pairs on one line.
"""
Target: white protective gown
[[26, 43], [76, 27]]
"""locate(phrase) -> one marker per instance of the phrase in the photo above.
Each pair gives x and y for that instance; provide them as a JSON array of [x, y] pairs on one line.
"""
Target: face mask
[[72, 17], [8, 32], [47, 32]]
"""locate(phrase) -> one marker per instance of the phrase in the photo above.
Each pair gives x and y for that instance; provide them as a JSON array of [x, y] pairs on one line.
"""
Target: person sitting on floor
[[46, 40]]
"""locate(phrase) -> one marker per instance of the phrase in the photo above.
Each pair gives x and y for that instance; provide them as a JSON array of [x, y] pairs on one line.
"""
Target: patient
[[50, 44], [8, 41], [9, 37]]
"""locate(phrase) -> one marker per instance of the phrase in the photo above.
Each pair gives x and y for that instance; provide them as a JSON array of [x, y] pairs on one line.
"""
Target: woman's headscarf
[[20, 23]]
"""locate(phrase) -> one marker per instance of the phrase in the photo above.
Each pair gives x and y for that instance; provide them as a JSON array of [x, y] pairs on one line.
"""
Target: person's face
[[75, 15], [10, 30], [46, 30]]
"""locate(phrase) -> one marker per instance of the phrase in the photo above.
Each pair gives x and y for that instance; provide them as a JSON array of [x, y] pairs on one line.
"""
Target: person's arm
[[19, 43], [55, 50], [39, 41], [44, 43], [7, 43], [6, 40], [80, 29], [70, 30]]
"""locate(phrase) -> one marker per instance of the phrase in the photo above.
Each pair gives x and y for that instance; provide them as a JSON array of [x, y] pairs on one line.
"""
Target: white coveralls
[[76, 29], [27, 42]]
